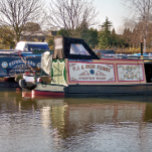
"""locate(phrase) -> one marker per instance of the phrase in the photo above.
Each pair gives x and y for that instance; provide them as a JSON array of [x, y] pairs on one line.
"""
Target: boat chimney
[[141, 50], [58, 47]]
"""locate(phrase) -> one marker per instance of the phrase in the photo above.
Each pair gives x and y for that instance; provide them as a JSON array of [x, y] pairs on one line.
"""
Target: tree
[[127, 36], [32, 27], [83, 32], [106, 26], [70, 14], [6, 37], [64, 32], [105, 34], [16, 13], [143, 9], [108, 38], [90, 36]]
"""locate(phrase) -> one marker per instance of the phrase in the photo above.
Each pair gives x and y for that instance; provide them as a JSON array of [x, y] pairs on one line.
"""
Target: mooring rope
[[25, 62]]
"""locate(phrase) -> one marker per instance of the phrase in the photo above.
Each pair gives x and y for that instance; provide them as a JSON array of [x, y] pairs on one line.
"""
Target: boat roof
[[21, 45], [31, 42]]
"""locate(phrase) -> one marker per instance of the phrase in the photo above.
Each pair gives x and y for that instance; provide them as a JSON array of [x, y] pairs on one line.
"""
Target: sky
[[115, 10]]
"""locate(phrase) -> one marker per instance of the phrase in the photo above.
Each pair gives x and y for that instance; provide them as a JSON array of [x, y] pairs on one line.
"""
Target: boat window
[[78, 49], [32, 47]]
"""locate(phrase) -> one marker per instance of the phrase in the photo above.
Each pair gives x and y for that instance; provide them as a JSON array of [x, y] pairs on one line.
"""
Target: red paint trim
[[48, 93], [130, 60]]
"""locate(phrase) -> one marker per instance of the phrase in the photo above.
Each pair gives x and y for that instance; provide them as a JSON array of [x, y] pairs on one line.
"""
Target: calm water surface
[[74, 125]]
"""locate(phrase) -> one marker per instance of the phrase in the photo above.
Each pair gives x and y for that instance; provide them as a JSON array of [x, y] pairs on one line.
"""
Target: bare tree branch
[[16, 13], [70, 14], [143, 10]]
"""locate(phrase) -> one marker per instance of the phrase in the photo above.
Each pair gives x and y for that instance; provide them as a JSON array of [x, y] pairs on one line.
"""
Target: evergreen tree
[[64, 32], [108, 38], [83, 32], [105, 39]]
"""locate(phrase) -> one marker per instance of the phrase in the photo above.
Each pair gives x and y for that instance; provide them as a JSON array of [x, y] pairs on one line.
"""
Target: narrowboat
[[74, 70]]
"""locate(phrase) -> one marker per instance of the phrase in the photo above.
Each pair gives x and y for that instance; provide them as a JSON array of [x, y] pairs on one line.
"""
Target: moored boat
[[78, 72], [13, 63]]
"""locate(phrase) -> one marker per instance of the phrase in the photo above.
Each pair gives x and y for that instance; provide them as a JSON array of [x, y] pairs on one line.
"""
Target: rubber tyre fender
[[22, 83]]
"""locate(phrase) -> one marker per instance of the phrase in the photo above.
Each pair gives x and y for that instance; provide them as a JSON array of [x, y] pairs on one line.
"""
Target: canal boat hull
[[48, 90], [108, 90], [93, 90], [8, 84]]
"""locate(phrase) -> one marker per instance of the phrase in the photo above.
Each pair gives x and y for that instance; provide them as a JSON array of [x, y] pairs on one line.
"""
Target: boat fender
[[22, 83]]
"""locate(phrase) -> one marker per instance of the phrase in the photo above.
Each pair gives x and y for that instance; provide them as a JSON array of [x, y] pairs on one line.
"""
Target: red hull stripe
[[48, 93]]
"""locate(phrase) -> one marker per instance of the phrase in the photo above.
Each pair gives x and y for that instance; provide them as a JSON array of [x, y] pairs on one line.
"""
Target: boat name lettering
[[31, 63], [89, 66], [100, 67], [15, 62]]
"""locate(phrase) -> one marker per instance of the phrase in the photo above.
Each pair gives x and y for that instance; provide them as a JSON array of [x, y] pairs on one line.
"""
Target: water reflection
[[66, 125]]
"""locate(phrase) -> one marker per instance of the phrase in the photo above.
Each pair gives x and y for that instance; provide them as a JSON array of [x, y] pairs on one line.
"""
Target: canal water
[[74, 125]]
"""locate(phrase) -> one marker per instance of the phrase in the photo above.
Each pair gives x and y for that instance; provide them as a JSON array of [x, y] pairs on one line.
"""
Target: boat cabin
[[78, 55]]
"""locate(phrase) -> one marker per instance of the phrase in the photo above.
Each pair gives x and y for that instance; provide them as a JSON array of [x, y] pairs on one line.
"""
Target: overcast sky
[[115, 10]]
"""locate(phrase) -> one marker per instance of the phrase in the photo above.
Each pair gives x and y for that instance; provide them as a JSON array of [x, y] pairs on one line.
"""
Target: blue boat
[[13, 63], [18, 61]]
